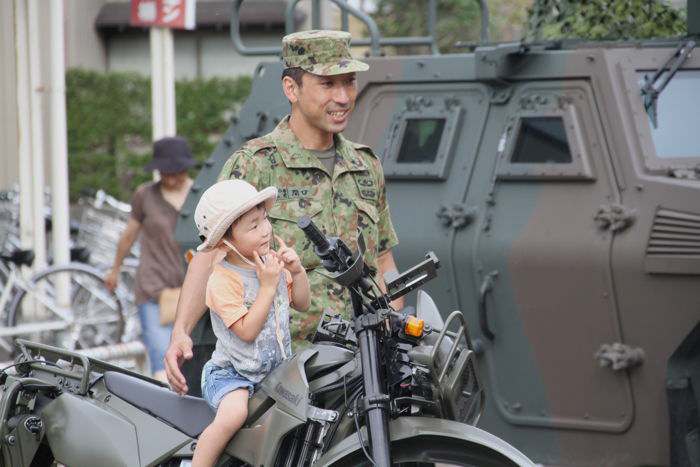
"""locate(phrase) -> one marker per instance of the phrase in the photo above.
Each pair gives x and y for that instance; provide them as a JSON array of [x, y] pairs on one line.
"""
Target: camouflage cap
[[320, 52]]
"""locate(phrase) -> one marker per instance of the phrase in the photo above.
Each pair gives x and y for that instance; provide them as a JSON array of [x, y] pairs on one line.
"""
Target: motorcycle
[[386, 388]]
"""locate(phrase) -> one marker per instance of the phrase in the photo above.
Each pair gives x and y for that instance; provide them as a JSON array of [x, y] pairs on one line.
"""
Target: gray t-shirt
[[327, 158], [253, 360]]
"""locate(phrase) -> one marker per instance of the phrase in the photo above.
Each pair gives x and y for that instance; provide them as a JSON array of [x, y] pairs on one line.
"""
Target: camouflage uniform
[[352, 196]]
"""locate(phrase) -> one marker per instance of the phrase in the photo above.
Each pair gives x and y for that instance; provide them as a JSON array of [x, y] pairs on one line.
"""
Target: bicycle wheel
[[89, 316]]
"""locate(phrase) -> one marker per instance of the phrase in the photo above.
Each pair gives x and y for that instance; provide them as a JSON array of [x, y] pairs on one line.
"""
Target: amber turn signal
[[414, 326]]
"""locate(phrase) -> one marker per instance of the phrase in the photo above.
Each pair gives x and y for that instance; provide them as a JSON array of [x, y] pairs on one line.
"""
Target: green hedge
[[109, 125]]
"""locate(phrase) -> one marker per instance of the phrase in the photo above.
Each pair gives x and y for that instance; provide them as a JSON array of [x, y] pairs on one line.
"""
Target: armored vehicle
[[559, 184]]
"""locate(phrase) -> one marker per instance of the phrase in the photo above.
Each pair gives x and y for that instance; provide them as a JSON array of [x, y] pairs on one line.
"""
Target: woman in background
[[154, 210]]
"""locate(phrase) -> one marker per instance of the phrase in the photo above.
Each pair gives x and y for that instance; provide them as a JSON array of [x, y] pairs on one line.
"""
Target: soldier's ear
[[290, 89]]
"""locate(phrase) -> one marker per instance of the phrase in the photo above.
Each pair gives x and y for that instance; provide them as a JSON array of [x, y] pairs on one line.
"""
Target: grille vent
[[674, 243]]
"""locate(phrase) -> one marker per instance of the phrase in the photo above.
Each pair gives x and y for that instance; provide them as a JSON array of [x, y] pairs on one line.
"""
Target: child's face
[[252, 232]]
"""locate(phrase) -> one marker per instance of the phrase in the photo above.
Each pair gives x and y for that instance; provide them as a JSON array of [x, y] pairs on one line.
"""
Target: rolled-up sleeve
[[386, 235]]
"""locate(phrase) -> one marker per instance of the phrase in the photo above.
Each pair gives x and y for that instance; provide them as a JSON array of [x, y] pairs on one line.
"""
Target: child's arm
[[249, 326], [301, 293]]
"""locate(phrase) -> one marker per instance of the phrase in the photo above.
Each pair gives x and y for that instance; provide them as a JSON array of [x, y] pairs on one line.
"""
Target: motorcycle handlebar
[[313, 234]]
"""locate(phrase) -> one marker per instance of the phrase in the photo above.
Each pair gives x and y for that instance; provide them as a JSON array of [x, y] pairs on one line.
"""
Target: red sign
[[174, 14]]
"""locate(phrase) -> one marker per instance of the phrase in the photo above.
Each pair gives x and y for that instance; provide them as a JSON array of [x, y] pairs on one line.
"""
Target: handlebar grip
[[313, 234]]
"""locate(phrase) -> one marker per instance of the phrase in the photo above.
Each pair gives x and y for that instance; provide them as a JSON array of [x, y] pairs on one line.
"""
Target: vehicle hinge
[[456, 216], [615, 217], [321, 415], [619, 356]]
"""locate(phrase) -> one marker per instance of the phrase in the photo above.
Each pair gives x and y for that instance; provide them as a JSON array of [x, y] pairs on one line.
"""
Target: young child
[[249, 293]]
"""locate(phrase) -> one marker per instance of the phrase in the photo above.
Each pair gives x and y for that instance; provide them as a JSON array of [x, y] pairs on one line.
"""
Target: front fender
[[414, 427]]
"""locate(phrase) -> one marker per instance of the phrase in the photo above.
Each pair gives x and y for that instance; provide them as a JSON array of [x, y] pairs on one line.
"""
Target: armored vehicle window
[[676, 135], [541, 140], [421, 140]]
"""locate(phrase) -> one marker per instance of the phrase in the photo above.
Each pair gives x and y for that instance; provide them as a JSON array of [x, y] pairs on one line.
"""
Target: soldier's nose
[[341, 96]]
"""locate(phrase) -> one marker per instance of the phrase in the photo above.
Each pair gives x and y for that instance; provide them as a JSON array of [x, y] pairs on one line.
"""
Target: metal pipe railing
[[375, 41]]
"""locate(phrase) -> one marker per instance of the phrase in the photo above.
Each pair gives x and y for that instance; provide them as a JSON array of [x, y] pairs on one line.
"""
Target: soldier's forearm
[[191, 305], [386, 263]]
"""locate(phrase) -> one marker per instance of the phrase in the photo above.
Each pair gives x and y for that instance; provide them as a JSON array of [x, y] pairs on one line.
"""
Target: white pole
[[37, 129], [156, 83], [168, 82], [24, 150], [60, 213], [162, 84]]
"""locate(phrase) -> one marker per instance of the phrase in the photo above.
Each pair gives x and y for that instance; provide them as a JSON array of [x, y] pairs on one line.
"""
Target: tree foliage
[[457, 20], [109, 125], [603, 19], [509, 20]]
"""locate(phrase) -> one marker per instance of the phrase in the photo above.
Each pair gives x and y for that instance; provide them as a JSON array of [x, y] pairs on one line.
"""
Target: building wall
[[84, 47], [197, 54]]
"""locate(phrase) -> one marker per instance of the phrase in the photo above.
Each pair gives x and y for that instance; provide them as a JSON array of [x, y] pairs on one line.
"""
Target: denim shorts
[[218, 381], [155, 336]]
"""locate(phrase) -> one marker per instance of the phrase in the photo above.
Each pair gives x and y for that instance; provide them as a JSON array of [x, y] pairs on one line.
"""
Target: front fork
[[375, 404]]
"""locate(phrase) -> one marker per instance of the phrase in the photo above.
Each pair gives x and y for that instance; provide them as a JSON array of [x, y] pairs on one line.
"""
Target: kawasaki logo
[[288, 395]]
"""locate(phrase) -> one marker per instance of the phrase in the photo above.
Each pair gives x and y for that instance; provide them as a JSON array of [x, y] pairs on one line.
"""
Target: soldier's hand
[[289, 256], [269, 271], [179, 350]]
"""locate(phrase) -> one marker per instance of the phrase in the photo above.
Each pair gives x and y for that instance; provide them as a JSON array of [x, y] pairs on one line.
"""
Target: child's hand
[[269, 271], [289, 256]]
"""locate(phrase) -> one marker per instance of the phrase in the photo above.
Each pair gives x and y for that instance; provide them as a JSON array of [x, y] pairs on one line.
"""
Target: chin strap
[[233, 248]]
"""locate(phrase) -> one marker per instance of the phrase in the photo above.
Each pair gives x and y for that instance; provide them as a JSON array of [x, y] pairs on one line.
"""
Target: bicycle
[[88, 316]]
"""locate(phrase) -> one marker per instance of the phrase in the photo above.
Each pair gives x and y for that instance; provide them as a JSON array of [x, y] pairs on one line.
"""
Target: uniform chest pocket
[[284, 216]]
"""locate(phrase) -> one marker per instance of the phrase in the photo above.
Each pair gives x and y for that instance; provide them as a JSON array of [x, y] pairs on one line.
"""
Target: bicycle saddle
[[19, 257]]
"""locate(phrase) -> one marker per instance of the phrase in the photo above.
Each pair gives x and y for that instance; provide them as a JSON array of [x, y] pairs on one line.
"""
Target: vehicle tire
[[94, 315], [432, 451]]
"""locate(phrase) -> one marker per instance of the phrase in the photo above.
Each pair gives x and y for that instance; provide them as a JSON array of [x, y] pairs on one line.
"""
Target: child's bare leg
[[230, 416]]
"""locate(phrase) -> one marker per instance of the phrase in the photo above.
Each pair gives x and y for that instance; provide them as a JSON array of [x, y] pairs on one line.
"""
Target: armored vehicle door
[[544, 290], [427, 135]]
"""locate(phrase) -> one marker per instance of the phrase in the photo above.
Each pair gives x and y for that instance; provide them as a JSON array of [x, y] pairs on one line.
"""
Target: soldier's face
[[326, 102]]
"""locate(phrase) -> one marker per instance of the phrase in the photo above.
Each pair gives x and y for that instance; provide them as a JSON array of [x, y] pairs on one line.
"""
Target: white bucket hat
[[223, 203]]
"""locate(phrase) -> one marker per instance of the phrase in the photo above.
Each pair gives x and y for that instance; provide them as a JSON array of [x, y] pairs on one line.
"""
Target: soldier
[[318, 173]]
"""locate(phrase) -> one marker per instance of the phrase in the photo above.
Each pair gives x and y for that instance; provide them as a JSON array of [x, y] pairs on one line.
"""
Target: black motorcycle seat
[[190, 415]]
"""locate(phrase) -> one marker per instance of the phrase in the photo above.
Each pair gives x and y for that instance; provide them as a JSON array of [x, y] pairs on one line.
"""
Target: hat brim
[[168, 167], [266, 195], [336, 68]]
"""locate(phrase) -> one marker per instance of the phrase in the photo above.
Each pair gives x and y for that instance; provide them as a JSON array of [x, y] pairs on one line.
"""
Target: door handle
[[486, 287]]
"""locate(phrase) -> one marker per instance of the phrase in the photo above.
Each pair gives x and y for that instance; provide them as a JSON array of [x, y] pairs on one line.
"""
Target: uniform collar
[[295, 156]]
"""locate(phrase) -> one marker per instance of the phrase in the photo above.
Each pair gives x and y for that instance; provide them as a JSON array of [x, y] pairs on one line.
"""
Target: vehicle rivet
[[350, 414], [193, 446], [108, 397], [10, 439]]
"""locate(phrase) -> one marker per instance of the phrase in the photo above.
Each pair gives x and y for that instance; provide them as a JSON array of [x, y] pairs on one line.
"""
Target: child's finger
[[288, 257], [283, 245], [256, 258]]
